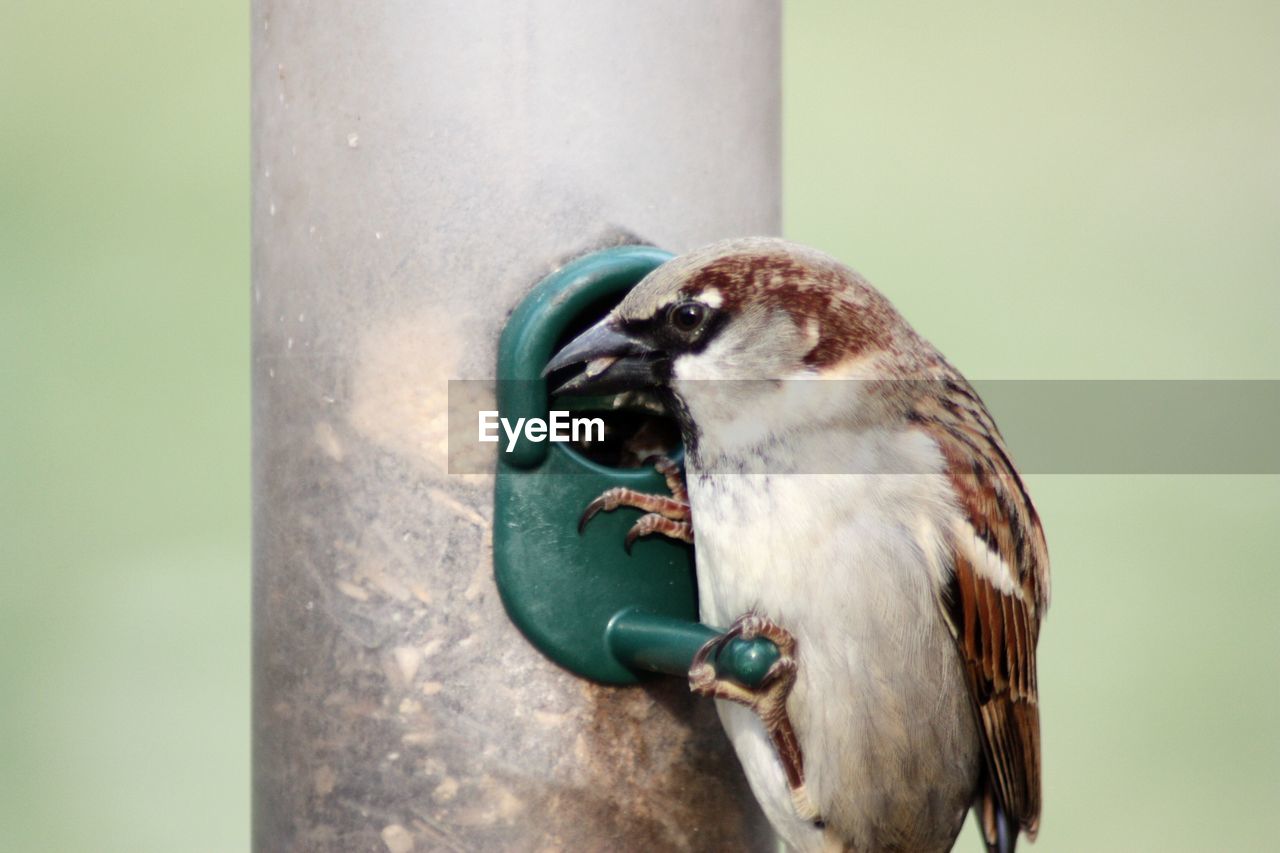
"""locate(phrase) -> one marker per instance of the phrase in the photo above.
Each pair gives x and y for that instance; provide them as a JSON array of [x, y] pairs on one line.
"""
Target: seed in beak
[[598, 365]]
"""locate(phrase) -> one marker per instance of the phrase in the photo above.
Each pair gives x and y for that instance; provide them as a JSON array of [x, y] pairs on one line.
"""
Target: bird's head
[[728, 322], [755, 308]]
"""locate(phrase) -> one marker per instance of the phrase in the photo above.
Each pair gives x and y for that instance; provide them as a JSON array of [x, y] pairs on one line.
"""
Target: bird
[[848, 496]]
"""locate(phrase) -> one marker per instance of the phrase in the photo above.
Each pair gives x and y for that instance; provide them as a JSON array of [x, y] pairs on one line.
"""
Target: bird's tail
[[999, 831]]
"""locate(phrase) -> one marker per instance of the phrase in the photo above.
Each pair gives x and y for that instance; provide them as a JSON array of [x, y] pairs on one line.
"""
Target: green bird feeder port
[[582, 600]]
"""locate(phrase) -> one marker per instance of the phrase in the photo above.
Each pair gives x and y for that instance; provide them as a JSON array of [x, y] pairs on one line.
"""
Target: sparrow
[[851, 499]]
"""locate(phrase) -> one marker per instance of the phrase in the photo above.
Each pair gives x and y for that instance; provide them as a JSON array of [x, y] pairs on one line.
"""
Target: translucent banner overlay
[[1049, 426]]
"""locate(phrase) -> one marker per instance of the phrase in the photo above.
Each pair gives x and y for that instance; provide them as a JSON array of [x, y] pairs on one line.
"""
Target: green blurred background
[[1083, 191]]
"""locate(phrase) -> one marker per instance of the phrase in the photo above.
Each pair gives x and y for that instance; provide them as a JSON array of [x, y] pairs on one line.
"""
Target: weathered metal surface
[[417, 167]]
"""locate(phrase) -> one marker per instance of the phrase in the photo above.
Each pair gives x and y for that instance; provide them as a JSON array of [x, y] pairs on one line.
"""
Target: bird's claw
[[668, 515], [704, 679], [768, 700]]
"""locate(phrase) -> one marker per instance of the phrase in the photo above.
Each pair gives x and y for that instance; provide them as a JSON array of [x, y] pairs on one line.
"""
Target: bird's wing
[[993, 603]]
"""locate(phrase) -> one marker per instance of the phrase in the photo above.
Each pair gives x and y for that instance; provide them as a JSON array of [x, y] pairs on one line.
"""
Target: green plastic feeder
[[582, 600]]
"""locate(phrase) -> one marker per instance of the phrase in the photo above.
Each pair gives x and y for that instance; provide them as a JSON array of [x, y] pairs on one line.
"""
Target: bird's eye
[[687, 316]]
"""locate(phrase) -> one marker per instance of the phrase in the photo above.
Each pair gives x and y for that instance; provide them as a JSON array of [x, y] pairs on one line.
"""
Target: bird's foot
[[768, 700], [668, 516]]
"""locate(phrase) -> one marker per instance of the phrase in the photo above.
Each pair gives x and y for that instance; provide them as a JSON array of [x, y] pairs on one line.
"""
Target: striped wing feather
[[997, 595]]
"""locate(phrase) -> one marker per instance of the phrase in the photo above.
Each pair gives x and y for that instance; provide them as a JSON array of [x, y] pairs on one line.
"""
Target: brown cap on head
[[846, 315]]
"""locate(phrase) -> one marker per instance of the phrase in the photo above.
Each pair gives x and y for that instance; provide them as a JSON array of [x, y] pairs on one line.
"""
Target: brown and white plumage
[[875, 517], [997, 594]]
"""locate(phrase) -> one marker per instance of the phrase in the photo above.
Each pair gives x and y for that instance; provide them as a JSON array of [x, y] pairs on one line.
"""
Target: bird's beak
[[613, 361]]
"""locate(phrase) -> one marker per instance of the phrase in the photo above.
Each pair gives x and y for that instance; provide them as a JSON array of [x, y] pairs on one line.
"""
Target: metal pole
[[418, 165]]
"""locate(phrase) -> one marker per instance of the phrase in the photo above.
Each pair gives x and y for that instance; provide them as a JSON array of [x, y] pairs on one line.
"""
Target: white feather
[[850, 563]]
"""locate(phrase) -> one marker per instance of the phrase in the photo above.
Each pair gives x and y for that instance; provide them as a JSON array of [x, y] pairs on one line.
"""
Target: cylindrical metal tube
[[418, 165]]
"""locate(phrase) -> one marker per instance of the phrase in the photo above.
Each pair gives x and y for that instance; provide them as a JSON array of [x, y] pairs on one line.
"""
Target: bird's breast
[[850, 564]]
